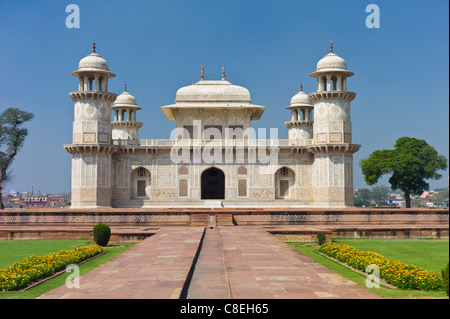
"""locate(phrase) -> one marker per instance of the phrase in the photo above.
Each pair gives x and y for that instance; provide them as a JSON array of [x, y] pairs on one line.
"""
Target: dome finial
[[203, 73], [301, 87], [125, 86], [93, 47], [223, 72], [331, 46]]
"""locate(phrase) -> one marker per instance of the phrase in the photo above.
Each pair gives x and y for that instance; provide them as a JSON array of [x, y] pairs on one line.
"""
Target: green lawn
[[16, 250], [430, 254]]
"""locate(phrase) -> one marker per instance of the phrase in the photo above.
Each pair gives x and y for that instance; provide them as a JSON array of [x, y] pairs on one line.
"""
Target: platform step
[[224, 220], [200, 220]]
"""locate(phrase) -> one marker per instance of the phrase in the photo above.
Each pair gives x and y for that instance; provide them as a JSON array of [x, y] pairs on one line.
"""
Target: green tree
[[441, 197], [365, 195], [357, 201], [12, 137], [379, 194], [411, 162]]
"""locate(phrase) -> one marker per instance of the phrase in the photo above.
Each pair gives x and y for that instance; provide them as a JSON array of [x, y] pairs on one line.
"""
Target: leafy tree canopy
[[12, 137], [411, 163]]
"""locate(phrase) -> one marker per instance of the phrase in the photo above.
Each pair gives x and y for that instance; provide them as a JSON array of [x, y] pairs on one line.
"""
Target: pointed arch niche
[[140, 181], [284, 183]]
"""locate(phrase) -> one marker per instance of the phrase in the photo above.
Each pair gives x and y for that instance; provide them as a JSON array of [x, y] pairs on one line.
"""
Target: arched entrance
[[213, 184]]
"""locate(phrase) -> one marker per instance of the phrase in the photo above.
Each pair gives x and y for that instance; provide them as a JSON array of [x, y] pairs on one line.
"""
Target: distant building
[[35, 201], [396, 200], [58, 200]]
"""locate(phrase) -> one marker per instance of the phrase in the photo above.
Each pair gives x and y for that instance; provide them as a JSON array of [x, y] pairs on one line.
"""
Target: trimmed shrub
[[101, 234], [321, 238], [445, 278]]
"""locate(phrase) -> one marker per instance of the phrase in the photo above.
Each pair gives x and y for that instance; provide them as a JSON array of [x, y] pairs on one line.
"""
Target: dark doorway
[[213, 184]]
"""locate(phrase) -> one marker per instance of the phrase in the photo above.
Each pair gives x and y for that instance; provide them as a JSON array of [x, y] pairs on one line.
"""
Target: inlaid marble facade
[[214, 157]]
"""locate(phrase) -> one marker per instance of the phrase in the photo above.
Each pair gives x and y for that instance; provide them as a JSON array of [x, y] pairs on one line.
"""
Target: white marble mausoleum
[[213, 157]]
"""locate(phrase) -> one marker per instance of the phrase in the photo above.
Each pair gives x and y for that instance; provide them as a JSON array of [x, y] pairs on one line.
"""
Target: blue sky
[[401, 69]]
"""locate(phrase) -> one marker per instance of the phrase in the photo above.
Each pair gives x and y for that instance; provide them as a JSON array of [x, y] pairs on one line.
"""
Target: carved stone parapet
[[88, 148], [334, 148], [291, 124], [121, 124], [85, 95], [326, 95]]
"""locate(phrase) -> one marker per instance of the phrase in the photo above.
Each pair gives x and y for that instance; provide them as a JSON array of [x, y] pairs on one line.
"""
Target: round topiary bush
[[321, 238], [101, 234]]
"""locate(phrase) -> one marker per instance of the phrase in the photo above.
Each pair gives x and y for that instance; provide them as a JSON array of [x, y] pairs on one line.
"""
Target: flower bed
[[394, 272], [34, 268]]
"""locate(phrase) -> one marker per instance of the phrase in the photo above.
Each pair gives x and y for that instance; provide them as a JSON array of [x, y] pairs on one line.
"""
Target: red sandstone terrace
[[218, 253], [137, 223]]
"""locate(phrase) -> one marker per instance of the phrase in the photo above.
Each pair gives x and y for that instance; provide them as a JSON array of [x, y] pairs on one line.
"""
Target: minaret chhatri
[[332, 132], [125, 128], [301, 124], [91, 148]]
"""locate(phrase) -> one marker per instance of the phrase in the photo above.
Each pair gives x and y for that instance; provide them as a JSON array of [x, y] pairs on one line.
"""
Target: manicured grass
[[430, 254], [41, 247], [16, 250], [421, 255]]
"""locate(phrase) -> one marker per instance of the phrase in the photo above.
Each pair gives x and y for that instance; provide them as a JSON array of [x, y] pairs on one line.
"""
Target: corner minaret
[[332, 138], [92, 122], [91, 148], [125, 129], [301, 124], [332, 100]]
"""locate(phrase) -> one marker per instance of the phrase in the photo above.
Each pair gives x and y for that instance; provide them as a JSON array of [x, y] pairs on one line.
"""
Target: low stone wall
[[50, 234], [301, 236], [398, 233], [363, 217], [184, 217], [69, 217], [403, 232]]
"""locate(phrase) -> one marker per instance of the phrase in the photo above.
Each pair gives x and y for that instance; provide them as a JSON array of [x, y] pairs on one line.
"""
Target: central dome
[[213, 91]]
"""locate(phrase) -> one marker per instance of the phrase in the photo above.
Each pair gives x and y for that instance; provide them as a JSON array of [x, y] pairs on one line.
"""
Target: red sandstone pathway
[[234, 262], [261, 266], [155, 268]]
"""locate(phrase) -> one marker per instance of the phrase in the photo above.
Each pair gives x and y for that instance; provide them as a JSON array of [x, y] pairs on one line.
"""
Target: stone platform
[[131, 224], [134, 224]]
